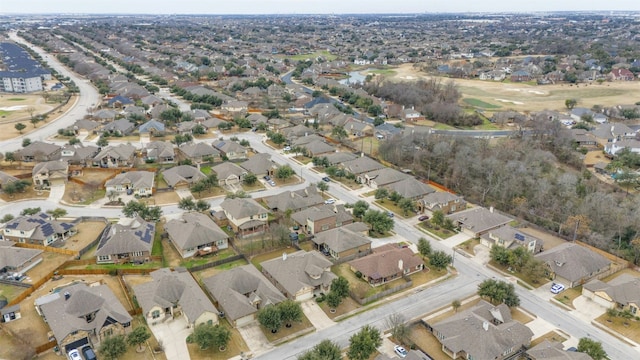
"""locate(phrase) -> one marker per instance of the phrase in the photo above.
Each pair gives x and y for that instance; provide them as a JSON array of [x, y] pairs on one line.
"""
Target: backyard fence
[[368, 299], [218, 263]]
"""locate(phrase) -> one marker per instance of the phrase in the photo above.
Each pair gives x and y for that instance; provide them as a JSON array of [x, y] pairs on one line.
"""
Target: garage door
[[76, 344]]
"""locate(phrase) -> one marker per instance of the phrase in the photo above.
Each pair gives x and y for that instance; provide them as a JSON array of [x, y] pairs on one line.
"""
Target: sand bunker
[[510, 101], [13, 108], [537, 92]]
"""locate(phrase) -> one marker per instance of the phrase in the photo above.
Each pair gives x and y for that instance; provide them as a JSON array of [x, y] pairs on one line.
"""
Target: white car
[[330, 201], [402, 352], [74, 355], [557, 288], [287, 148]]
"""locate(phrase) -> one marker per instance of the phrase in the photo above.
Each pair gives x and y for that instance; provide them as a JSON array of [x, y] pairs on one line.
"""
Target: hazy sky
[[304, 6]]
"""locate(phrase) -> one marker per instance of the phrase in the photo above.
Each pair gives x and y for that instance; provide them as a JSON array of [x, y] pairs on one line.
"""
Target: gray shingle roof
[[624, 289], [228, 169], [386, 176], [573, 262], [42, 223], [122, 239], [410, 188], [294, 200], [241, 208], [259, 164], [136, 179], [120, 152], [361, 165], [186, 173], [547, 350], [15, 257], [480, 219], [196, 150], [385, 262], [194, 229], [341, 239], [300, 270]]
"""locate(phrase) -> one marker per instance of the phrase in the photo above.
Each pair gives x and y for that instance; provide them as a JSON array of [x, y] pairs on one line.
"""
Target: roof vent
[[485, 325], [67, 295]]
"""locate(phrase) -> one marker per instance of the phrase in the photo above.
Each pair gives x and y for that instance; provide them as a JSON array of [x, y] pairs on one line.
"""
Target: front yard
[[234, 348], [440, 232], [567, 296], [302, 327], [629, 328]]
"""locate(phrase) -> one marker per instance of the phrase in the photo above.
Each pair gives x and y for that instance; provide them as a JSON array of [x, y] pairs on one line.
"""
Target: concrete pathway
[[184, 193], [456, 240], [254, 338], [587, 309], [173, 335], [56, 193], [314, 313]]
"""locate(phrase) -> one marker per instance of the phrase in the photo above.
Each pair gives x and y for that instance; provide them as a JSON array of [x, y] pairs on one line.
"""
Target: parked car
[[330, 201], [271, 182], [88, 353], [266, 177], [402, 352], [557, 288], [287, 148], [390, 214], [74, 355], [326, 179], [423, 218]]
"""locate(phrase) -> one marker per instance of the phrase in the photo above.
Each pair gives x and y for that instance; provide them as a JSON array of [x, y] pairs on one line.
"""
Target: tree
[[395, 197], [250, 179], [381, 194], [202, 205], [378, 221], [135, 208], [7, 218], [325, 350], [102, 142], [440, 260], [322, 186], [138, 336], [570, 103], [10, 156], [30, 211], [406, 205], [455, 304], [333, 299], [499, 292], [437, 218], [592, 348], [26, 142], [360, 208], [339, 133], [34, 121], [277, 138], [221, 336], [57, 213], [290, 311], [364, 343], [20, 127], [187, 204], [203, 335], [74, 140], [397, 326], [113, 347], [284, 172], [340, 286], [269, 317], [424, 247]]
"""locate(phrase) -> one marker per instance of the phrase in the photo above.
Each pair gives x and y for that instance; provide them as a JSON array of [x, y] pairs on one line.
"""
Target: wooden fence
[[35, 286], [363, 301], [44, 347], [47, 249], [218, 263]]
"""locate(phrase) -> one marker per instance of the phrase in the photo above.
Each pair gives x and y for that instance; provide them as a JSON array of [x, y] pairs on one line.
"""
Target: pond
[[355, 76]]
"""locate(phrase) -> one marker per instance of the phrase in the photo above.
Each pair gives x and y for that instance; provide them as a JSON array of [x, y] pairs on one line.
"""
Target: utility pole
[[575, 231]]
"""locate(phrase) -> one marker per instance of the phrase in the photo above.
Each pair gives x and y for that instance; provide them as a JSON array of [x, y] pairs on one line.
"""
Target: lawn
[[536, 283], [214, 191], [234, 348], [257, 186], [16, 99], [304, 327], [350, 183], [551, 336], [567, 296], [324, 53], [218, 269], [391, 206], [82, 194], [468, 246], [206, 170], [147, 265], [425, 341], [29, 193], [624, 327], [220, 255], [10, 291], [346, 306], [256, 260], [437, 231], [370, 145], [385, 72], [480, 104]]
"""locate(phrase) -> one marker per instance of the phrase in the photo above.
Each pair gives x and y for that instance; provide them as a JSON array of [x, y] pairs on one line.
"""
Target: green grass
[[486, 125], [98, 194], [223, 254], [480, 104], [16, 99], [206, 170], [327, 55], [440, 232], [147, 265], [4, 113]]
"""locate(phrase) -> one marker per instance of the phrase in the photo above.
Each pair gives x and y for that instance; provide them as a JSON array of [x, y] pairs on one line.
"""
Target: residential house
[[182, 176], [441, 201], [386, 131], [105, 115], [621, 293], [39, 229], [130, 240], [381, 178], [84, 127], [579, 113], [340, 157], [478, 220], [122, 127], [119, 101], [50, 173], [361, 165], [140, 183], [241, 292], [6, 179], [300, 275], [583, 138], [511, 238], [387, 263], [235, 107], [520, 75], [38, 151], [306, 139], [621, 74], [411, 115], [10, 313], [245, 215], [78, 154], [161, 152], [121, 155], [294, 200], [410, 188], [256, 118], [260, 165], [357, 129], [547, 350], [16, 259], [342, 243], [318, 148], [80, 315], [482, 332], [231, 149], [174, 293], [229, 173], [199, 153], [151, 128], [608, 133], [196, 234], [615, 147], [294, 132], [321, 218], [573, 265]]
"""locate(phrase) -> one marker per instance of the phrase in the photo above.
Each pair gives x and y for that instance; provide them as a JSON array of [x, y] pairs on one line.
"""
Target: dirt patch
[[29, 193], [550, 240], [170, 255], [166, 198], [50, 262], [594, 157], [87, 232], [13, 114], [82, 194], [133, 280]]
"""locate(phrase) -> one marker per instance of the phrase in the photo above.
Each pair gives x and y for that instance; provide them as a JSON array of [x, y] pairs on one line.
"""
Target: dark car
[[266, 177], [88, 353], [390, 214], [423, 218], [326, 179]]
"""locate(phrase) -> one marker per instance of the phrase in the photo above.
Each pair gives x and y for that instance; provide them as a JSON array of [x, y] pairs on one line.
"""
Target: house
[[321, 218], [632, 145], [339, 157], [10, 313], [387, 263], [84, 127], [300, 275], [342, 243], [6, 179], [621, 293], [174, 293], [38, 151], [141, 183], [547, 350], [229, 173], [16, 259], [410, 188], [199, 153], [105, 115], [195, 233], [161, 152], [380, 178], [78, 154], [573, 265], [121, 155], [411, 115], [579, 113], [245, 215], [509, 237], [621, 74], [318, 148], [482, 332], [235, 107], [120, 127], [46, 174], [231, 149], [583, 138], [441, 201], [477, 221], [39, 229], [608, 133], [128, 241], [361, 165], [119, 101], [294, 200], [240, 292], [260, 165], [356, 128], [520, 75], [80, 315], [151, 128], [182, 176]]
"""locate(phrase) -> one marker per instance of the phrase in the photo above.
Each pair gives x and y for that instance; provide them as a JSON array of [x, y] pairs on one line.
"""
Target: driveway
[[56, 193], [314, 313], [254, 338], [456, 240], [173, 336], [184, 193], [587, 309]]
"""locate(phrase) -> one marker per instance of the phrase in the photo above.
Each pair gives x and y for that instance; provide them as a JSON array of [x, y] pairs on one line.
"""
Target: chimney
[[401, 265], [67, 295], [491, 209], [284, 256]]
